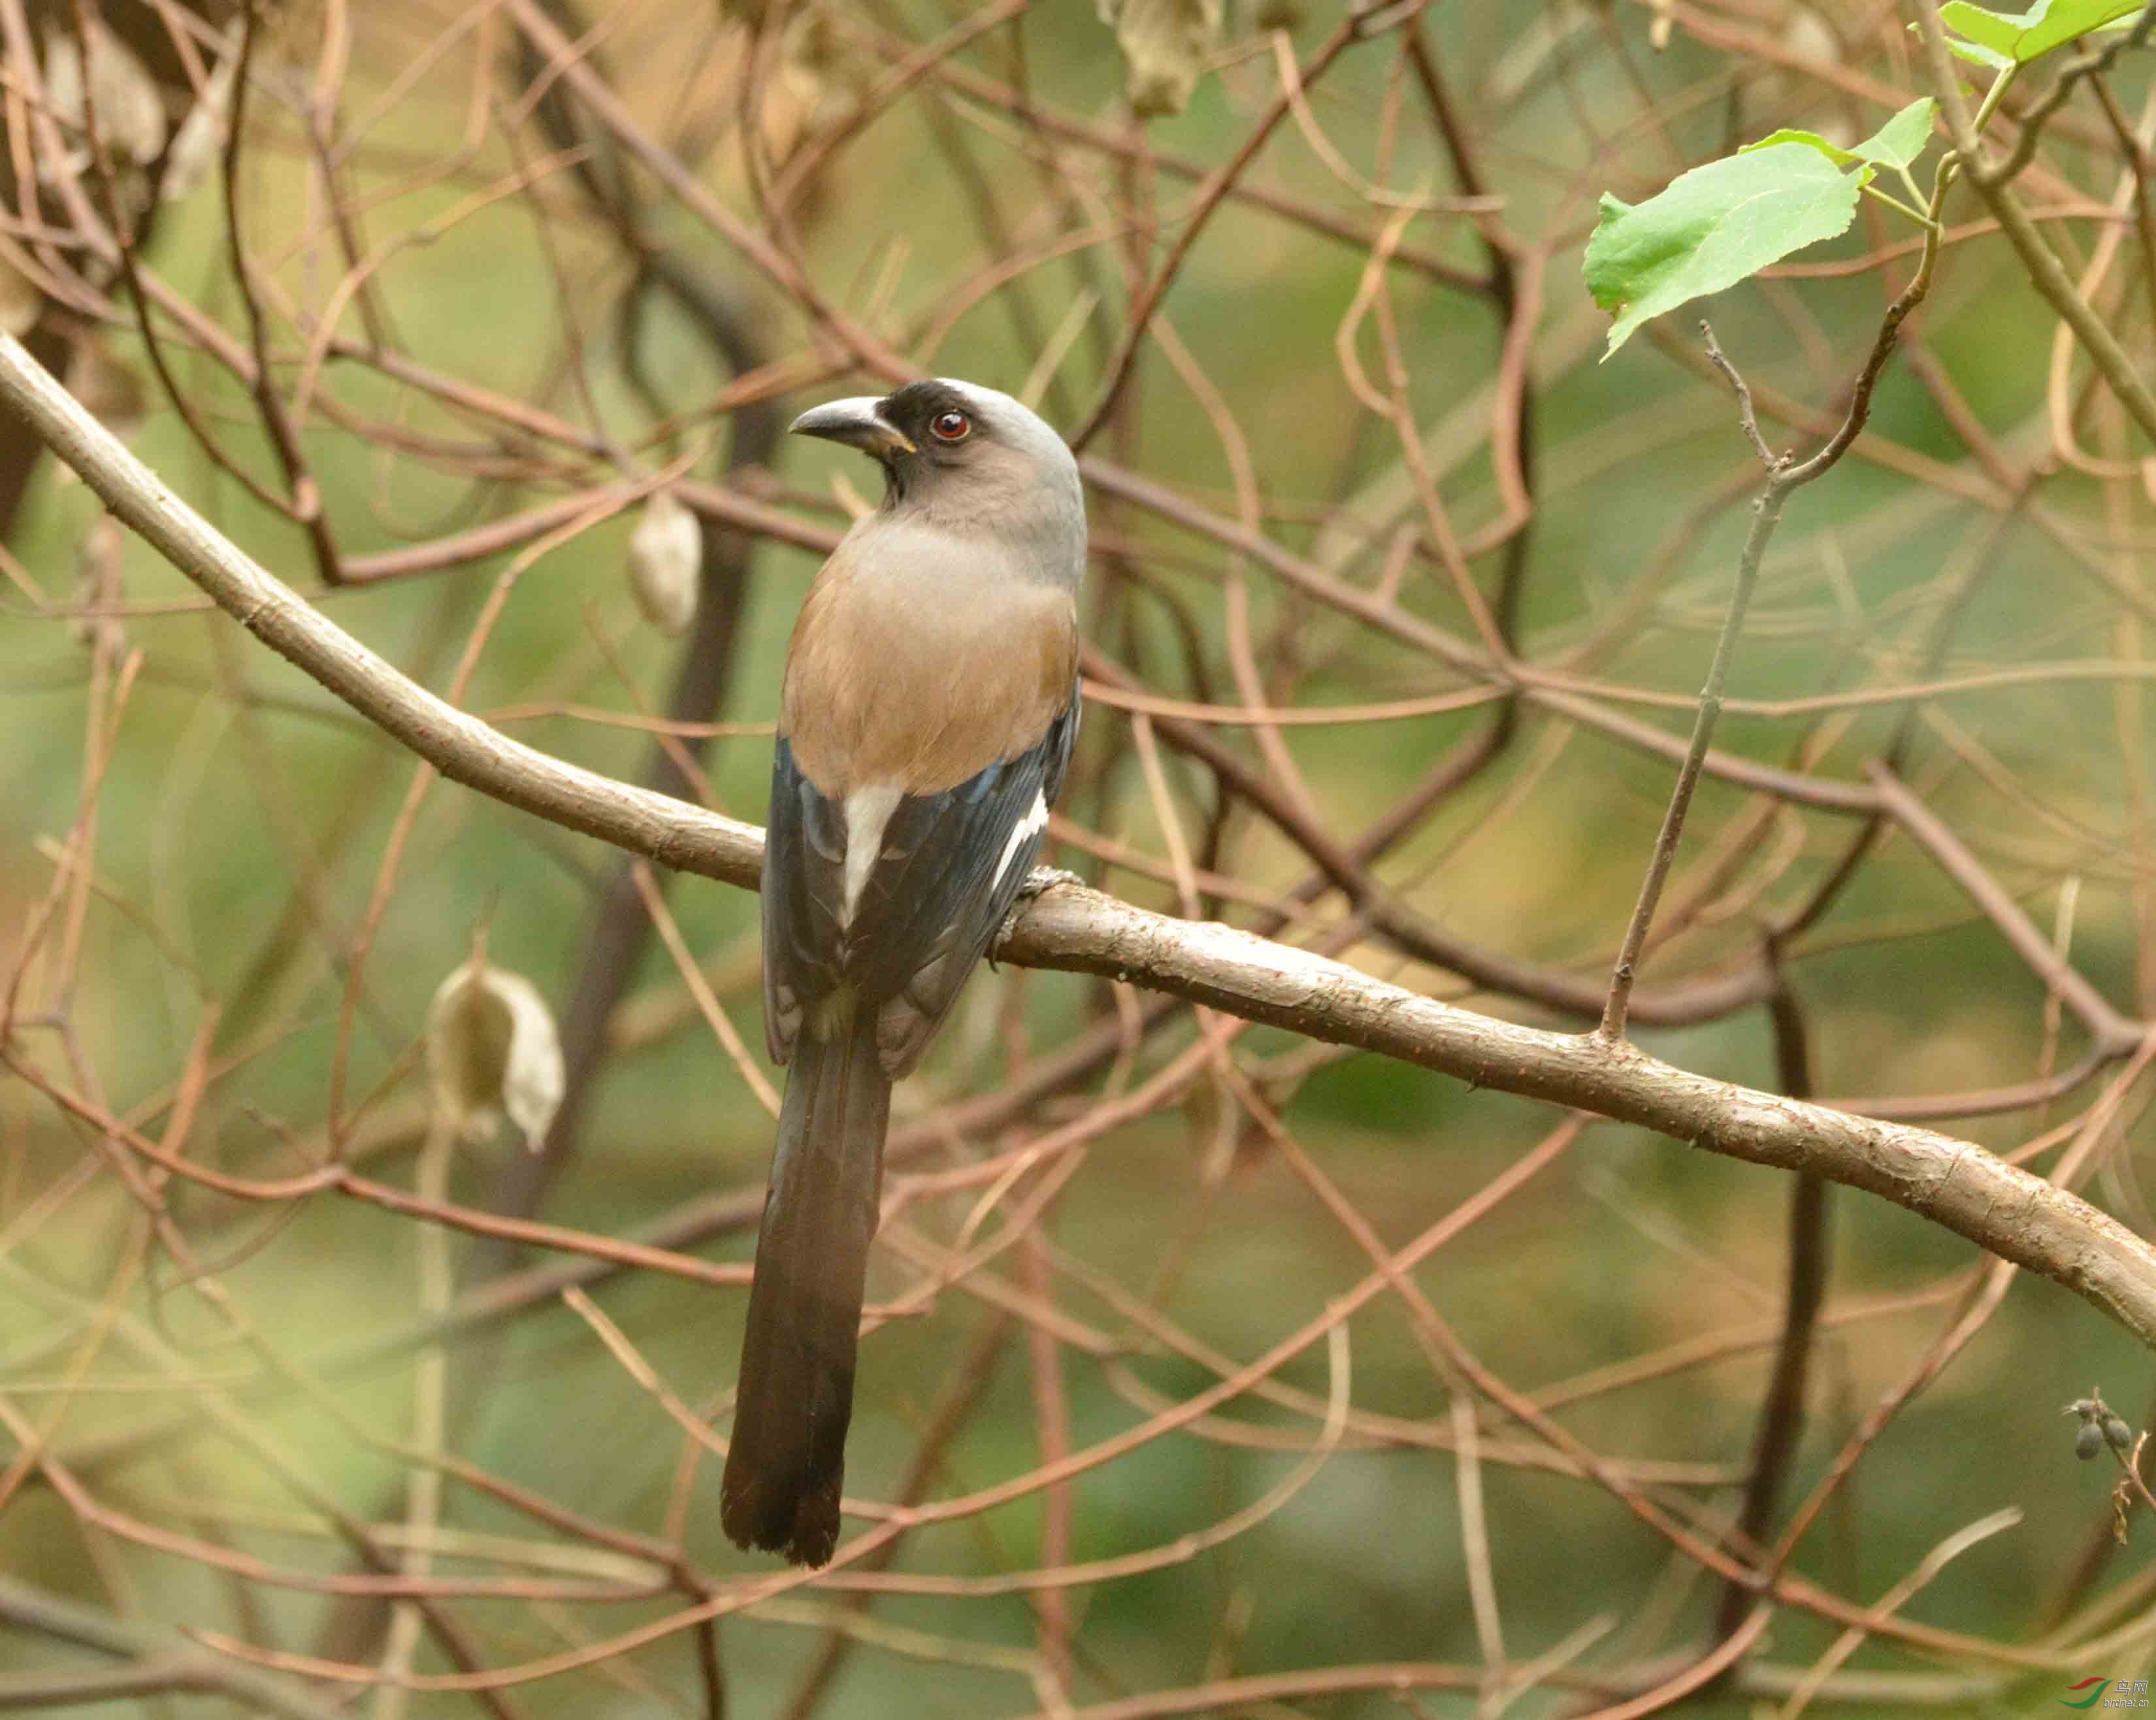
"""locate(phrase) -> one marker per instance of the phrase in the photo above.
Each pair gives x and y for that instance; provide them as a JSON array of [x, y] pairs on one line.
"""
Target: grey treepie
[[930, 702]]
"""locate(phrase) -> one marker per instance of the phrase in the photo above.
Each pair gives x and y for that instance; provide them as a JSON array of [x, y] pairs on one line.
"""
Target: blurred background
[[479, 325]]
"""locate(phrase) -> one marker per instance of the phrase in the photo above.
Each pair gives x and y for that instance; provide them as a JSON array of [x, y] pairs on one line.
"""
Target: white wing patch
[[868, 810], [1032, 824]]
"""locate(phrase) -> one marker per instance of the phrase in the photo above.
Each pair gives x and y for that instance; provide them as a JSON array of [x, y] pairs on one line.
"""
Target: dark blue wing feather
[[804, 855], [936, 894]]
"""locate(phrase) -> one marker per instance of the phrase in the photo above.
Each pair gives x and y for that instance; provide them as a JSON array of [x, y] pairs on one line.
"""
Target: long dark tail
[[788, 1449]]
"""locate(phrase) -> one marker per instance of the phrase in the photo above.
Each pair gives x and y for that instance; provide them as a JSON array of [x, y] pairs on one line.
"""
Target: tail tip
[[799, 1522]]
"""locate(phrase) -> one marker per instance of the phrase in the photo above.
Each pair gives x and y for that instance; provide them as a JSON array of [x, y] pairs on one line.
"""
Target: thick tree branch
[[2002, 1210]]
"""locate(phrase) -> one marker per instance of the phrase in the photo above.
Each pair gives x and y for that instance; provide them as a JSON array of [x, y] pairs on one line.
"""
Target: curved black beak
[[857, 424]]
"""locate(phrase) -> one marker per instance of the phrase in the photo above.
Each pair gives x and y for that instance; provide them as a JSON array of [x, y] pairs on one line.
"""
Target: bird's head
[[965, 457]]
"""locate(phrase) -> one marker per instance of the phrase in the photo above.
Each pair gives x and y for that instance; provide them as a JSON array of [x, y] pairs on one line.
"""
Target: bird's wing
[[804, 857], [948, 870]]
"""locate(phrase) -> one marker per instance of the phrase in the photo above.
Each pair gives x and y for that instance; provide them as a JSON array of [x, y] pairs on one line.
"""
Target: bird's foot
[[1040, 879], [1043, 878]]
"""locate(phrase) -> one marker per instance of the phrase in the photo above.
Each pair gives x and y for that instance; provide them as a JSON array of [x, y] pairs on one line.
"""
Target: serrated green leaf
[[1711, 227], [2018, 37], [1895, 144]]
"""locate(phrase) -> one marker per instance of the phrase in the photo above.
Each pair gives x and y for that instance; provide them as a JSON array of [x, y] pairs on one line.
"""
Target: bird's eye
[[952, 427]]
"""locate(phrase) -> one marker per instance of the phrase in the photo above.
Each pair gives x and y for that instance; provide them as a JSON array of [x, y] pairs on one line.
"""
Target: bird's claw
[[1043, 878], [1040, 879]]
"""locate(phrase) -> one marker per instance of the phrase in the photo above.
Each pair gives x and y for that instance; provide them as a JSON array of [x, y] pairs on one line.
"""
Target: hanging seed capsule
[[666, 555], [2116, 1434], [2087, 1441], [493, 1052], [1166, 46]]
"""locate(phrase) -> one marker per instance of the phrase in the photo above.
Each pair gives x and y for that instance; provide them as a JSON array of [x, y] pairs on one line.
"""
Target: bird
[[926, 715]]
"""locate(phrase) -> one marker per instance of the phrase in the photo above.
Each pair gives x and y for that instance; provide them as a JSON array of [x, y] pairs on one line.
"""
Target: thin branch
[[2091, 66], [1782, 1412], [1766, 516], [164, 1660], [2046, 273], [1784, 475], [2113, 1034]]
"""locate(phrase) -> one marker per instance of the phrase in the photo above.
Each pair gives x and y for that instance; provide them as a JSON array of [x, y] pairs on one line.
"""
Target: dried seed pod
[[492, 1051], [116, 85], [1165, 44], [2116, 1434], [826, 73], [666, 564], [2087, 1441]]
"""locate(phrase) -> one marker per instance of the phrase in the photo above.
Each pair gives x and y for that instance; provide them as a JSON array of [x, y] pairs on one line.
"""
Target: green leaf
[[1712, 227], [2008, 37], [1811, 140], [1902, 138], [1977, 56], [1895, 144]]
